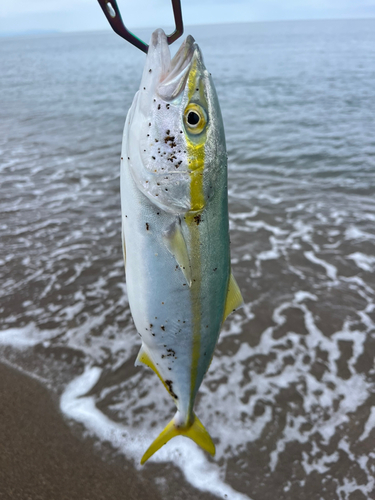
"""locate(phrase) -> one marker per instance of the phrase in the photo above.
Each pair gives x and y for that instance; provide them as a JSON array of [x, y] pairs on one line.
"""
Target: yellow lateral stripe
[[195, 293], [196, 190], [196, 156], [196, 152]]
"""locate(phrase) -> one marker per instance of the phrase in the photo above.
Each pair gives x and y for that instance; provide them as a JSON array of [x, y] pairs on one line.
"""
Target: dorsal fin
[[234, 297], [175, 242]]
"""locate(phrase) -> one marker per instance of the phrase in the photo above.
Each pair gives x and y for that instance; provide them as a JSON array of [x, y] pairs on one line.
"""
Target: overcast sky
[[77, 15]]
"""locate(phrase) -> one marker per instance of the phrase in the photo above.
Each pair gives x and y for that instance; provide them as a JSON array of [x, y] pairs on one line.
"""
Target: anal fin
[[234, 297], [145, 359]]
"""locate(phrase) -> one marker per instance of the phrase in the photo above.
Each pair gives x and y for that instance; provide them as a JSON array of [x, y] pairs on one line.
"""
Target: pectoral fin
[[234, 297], [175, 242]]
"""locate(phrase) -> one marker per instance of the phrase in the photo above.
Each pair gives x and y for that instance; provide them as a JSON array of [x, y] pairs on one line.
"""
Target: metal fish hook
[[112, 13]]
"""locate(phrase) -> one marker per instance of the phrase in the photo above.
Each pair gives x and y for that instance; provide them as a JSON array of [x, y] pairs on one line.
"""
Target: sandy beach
[[40, 457]]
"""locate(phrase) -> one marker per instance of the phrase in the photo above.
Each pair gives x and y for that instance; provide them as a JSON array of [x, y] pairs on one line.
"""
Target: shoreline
[[41, 458]]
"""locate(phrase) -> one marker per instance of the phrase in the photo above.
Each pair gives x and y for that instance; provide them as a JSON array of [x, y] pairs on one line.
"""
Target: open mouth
[[165, 76], [173, 81]]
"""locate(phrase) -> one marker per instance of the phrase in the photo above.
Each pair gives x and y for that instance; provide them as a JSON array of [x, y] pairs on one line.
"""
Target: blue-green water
[[289, 396]]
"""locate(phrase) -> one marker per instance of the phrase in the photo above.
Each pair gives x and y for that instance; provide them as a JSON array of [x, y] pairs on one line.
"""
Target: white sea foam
[[320, 463], [24, 337], [365, 262], [275, 200], [352, 392], [244, 215], [201, 473], [369, 426], [300, 296], [354, 233], [330, 269], [268, 255], [259, 224], [349, 486]]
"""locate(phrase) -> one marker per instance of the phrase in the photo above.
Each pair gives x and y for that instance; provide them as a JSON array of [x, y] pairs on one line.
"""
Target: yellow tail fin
[[196, 432]]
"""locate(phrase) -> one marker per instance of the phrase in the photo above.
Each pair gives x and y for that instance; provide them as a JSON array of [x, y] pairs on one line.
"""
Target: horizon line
[[38, 31]]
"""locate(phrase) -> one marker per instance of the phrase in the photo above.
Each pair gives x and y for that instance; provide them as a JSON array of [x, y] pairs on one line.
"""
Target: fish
[[175, 227]]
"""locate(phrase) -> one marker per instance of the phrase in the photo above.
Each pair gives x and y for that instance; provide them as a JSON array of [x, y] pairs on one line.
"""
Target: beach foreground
[[40, 457], [44, 458]]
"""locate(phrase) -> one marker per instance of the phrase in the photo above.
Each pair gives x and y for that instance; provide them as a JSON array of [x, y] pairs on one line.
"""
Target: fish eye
[[195, 118]]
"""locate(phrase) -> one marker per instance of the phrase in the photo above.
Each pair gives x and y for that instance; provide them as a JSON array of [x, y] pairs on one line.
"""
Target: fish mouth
[[173, 72], [174, 82]]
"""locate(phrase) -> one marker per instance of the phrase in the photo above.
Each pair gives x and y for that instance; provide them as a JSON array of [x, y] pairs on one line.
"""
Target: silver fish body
[[175, 226]]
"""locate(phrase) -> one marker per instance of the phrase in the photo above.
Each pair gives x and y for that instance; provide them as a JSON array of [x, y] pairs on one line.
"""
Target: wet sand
[[41, 459]]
